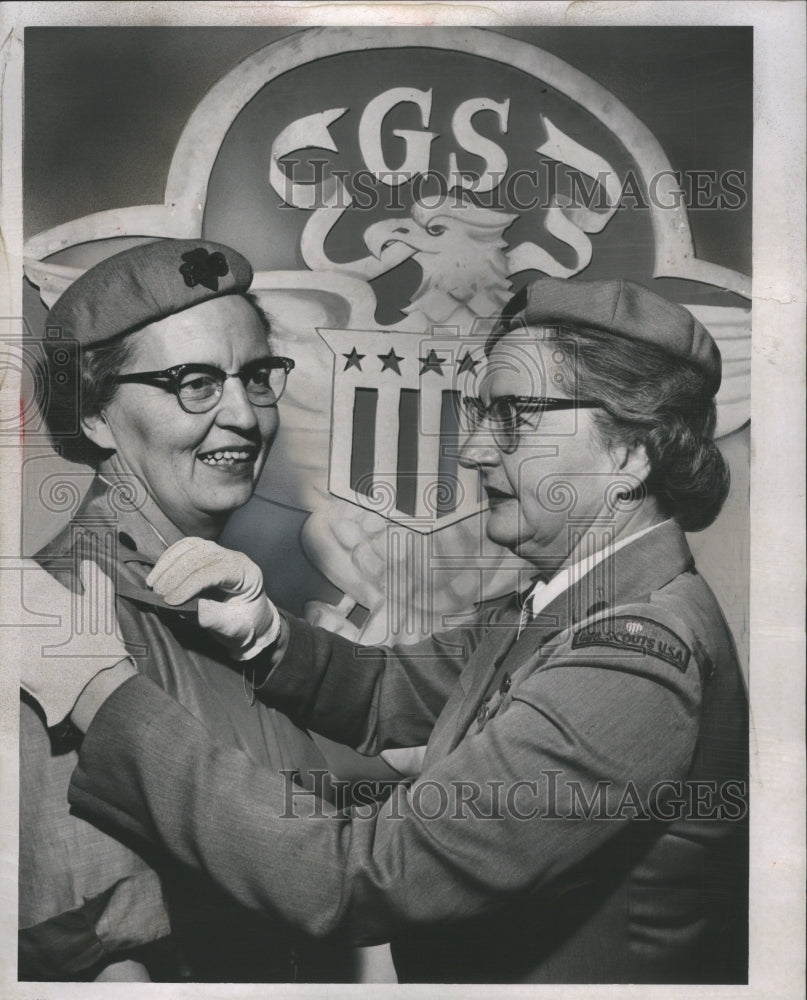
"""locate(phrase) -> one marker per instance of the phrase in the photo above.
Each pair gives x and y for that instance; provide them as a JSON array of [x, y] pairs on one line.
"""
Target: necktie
[[532, 604]]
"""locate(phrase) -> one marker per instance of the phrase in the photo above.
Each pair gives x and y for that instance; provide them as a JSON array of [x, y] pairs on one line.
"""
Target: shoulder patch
[[641, 635]]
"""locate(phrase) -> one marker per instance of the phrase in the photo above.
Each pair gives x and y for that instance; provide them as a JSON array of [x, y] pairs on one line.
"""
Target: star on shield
[[391, 361], [354, 360], [431, 363], [467, 364]]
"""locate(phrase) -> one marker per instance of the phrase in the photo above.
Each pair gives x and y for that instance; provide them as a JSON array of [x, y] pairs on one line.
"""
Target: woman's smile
[[198, 467]]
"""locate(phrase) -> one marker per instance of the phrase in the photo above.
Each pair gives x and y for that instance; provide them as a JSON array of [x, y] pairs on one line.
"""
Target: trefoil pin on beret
[[145, 284]]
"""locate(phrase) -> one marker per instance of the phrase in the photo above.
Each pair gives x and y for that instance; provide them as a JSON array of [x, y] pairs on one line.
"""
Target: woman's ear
[[632, 459], [97, 429]]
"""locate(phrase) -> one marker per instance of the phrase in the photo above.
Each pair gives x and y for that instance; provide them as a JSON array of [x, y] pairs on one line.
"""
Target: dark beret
[[624, 309], [145, 284]]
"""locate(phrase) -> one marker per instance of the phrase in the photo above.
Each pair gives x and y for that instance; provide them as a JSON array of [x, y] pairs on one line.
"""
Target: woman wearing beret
[[177, 391], [580, 815]]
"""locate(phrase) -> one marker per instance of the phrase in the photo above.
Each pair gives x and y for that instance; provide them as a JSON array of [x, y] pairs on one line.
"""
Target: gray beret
[[145, 284], [621, 308]]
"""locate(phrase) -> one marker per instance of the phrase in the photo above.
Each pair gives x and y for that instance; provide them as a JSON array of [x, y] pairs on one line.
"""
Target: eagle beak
[[382, 235]]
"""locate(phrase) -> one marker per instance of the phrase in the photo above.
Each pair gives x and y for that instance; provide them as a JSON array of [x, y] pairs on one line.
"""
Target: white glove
[[240, 615], [61, 640]]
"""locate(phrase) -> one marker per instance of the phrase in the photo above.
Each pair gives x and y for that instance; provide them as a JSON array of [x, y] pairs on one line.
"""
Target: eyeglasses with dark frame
[[507, 415], [198, 388]]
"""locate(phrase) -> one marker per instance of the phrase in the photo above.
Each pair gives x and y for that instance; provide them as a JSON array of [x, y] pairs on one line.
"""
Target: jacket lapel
[[630, 574], [463, 702], [122, 541]]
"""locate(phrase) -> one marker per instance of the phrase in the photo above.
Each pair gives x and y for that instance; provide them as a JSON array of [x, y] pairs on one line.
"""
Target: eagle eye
[[435, 230]]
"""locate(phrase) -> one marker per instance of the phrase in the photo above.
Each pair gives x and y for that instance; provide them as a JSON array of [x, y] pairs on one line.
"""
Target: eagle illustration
[[462, 254], [465, 264], [461, 251]]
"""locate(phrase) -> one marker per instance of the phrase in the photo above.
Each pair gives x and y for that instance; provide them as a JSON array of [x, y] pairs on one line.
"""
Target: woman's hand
[[235, 608], [61, 640]]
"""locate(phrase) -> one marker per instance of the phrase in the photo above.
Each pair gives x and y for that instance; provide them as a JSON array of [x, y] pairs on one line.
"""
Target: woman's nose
[[478, 449], [235, 409]]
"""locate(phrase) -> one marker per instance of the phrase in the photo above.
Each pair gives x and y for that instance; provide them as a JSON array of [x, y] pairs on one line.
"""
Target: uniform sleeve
[[369, 697], [84, 897], [504, 813]]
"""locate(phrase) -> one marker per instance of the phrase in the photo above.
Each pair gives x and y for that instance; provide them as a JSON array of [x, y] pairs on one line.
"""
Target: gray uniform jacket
[[579, 816], [86, 897]]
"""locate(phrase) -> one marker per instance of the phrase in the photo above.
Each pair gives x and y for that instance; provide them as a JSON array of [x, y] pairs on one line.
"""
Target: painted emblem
[[392, 190], [395, 429]]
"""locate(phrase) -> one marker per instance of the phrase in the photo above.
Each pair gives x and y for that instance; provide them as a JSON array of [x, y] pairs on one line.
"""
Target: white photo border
[[777, 913]]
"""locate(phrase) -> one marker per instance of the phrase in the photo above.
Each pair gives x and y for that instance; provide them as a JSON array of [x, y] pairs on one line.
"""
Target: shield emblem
[[366, 249], [396, 428]]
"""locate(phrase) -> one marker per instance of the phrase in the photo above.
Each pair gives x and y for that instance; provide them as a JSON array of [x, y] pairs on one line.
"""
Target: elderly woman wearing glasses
[[580, 812], [175, 395]]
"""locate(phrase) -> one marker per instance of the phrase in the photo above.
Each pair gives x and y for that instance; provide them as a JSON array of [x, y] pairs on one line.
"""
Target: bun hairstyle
[[663, 402], [655, 369]]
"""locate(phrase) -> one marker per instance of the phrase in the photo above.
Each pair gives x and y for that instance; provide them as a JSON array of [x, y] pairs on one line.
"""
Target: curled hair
[[86, 387], [81, 382], [653, 399]]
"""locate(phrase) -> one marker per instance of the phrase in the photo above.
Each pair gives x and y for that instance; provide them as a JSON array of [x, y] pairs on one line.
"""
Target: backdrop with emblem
[[392, 188]]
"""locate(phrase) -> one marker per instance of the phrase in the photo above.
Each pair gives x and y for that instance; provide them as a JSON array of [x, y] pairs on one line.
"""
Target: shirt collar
[[545, 591]]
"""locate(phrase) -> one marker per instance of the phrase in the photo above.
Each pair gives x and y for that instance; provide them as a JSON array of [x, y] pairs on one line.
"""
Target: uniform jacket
[[86, 896], [622, 700]]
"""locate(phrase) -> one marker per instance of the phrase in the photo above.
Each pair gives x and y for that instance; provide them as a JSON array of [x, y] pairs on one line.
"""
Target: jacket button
[[506, 684], [482, 714]]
